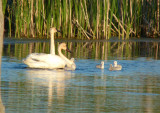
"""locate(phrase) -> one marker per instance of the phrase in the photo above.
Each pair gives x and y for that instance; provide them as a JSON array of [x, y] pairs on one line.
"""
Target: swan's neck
[[62, 56], [52, 46], [115, 64], [102, 65]]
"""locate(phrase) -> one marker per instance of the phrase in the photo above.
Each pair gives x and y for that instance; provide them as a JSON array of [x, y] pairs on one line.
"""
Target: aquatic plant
[[82, 19]]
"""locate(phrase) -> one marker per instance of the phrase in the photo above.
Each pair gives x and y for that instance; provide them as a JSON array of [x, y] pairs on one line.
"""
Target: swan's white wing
[[37, 57], [41, 60]]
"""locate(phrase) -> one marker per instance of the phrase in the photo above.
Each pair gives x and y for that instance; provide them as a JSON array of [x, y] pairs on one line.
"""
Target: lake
[[135, 89]]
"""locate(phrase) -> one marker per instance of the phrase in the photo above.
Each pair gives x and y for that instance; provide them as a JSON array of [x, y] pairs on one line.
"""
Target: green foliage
[[81, 18]]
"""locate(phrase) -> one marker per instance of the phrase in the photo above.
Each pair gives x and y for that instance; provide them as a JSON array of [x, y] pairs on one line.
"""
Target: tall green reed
[[83, 19]]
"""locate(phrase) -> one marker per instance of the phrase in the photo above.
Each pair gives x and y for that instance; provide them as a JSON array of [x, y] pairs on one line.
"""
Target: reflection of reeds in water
[[94, 19], [89, 50]]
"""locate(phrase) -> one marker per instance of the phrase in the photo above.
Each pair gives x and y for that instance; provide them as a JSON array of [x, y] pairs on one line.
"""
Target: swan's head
[[115, 63], [102, 62], [72, 59], [64, 47], [53, 30]]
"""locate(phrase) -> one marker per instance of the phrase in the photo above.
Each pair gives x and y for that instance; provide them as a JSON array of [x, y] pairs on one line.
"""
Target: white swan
[[115, 67], [49, 61], [71, 65], [101, 65]]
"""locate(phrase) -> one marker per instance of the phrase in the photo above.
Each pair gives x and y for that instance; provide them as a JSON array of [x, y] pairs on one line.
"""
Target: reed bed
[[82, 19]]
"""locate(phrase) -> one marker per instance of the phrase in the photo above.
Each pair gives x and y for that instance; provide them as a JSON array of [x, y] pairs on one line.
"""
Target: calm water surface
[[134, 89]]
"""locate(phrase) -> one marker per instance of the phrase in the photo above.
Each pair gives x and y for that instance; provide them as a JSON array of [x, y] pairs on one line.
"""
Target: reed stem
[[97, 19]]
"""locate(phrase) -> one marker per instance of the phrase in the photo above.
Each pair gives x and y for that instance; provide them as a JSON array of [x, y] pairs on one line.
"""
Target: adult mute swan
[[101, 66], [70, 64], [115, 67], [49, 61]]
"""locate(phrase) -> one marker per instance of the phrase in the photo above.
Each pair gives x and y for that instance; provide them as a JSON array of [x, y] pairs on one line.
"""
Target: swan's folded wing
[[41, 60], [39, 57], [42, 57]]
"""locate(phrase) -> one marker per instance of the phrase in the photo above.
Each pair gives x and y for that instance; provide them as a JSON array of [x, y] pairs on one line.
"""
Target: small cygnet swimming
[[72, 66], [115, 67], [101, 66]]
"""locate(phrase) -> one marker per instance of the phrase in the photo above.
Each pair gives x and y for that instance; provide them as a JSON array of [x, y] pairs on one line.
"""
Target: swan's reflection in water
[[54, 80]]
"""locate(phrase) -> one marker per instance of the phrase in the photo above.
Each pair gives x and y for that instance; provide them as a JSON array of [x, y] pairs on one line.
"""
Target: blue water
[[135, 89]]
